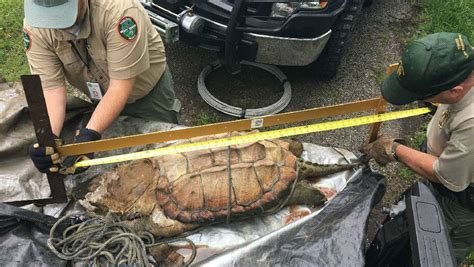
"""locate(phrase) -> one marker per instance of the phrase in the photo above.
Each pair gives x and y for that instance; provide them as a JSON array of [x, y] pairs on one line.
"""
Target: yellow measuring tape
[[237, 140]]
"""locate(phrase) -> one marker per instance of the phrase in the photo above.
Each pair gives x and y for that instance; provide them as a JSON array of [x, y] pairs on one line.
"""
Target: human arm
[[419, 162], [387, 149], [111, 104], [104, 114], [454, 168], [46, 158], [127, 57], [55, 99], [44, 62]]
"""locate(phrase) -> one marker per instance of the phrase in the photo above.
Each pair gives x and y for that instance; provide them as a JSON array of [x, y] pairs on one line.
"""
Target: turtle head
[[296, 147]]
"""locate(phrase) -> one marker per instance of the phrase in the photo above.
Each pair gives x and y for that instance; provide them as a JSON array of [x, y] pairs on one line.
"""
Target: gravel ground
[[378, 41]]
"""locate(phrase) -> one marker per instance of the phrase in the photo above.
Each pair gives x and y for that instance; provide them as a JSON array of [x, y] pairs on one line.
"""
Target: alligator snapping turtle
[[168, 195]]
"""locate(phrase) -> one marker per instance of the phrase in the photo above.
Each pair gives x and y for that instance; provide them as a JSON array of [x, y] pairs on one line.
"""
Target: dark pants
[[458, 210], [160, 104], [459, 215]]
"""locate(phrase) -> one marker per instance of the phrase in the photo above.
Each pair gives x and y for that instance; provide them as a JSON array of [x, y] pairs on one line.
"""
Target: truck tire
[[328, 62]]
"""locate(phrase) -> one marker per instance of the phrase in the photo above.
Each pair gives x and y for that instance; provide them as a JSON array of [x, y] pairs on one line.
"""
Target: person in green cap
[[109, 50], [439, 69]]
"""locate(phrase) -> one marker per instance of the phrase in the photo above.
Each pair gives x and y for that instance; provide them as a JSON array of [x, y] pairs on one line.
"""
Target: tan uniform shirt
[[451, 138], [119, 39]]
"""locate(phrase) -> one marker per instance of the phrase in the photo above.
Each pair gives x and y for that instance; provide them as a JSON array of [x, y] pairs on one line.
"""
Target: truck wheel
[[329, 60]]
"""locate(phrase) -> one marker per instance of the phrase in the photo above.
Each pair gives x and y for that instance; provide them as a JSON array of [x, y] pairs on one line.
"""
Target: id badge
[[94, 90]]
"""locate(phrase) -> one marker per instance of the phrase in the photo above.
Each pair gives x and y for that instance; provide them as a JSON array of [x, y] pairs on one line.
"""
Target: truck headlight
[[286, 9]]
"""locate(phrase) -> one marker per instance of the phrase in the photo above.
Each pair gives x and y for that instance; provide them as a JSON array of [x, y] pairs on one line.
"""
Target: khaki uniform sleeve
[[43, 60], [127, 58], [455, 166]]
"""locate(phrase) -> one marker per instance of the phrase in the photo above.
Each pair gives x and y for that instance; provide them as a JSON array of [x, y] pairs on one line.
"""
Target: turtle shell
[[194, 187]]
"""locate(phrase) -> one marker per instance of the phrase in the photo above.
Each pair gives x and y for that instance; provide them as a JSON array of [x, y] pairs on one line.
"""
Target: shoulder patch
[[26, 40], [127, 28]]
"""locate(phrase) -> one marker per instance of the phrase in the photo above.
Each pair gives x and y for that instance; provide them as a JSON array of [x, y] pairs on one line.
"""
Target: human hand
[[45, 158], [84, 135], [382, 150]]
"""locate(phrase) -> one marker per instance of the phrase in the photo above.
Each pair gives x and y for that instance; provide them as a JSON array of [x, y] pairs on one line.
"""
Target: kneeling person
[[109, 50], [440, 69]]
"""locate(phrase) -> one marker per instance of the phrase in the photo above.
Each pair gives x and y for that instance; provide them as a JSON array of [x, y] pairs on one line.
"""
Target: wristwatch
[[394, 149]]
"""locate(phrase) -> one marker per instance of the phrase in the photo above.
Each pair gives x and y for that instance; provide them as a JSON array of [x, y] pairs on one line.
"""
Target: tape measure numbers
[[237, 140]]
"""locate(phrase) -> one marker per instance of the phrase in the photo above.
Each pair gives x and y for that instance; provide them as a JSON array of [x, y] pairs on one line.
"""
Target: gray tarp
[[332, 236], [17, 175]]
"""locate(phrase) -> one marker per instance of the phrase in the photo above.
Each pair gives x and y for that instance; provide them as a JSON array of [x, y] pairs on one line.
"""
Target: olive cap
[[430, 65]]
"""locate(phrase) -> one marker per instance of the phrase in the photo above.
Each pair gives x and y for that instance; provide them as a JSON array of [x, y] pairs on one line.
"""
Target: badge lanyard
[[94, 87], [76, 51]]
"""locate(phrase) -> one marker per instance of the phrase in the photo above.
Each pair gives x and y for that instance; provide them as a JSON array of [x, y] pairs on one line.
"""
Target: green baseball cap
[[428, 66], [51, 14]]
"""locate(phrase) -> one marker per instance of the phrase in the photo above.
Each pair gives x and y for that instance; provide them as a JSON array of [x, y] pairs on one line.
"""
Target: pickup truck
[[284, 33]]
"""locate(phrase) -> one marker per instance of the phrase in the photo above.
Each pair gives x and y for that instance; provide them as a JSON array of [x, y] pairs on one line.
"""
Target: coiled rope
[[242, 112], [109, 239]]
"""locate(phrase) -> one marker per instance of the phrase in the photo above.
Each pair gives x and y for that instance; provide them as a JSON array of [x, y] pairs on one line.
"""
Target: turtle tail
[[310, 169]]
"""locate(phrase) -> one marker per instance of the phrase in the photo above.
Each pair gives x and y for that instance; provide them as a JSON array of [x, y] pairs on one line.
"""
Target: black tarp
[[23, 237]]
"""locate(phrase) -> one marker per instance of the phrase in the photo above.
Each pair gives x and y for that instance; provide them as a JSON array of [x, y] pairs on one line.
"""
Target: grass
[[380, 74], [470, 259], [385, 39], [446, 16], [12, 55], [204, 118], [415, 142]]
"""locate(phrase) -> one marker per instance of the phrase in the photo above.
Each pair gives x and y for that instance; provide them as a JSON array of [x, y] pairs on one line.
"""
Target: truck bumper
[[287, 51], [261, 48]]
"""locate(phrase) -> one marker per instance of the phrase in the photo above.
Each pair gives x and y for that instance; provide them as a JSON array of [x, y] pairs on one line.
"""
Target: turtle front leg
[[308, 169], [159, 225], [305, 194]]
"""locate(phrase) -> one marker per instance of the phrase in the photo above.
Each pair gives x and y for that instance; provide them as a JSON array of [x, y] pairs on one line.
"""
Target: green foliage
[[380, 75], [418, 137], [447, 16], [415, 142], [12, 55], [405, 173], [469, 261], [204, 118]]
